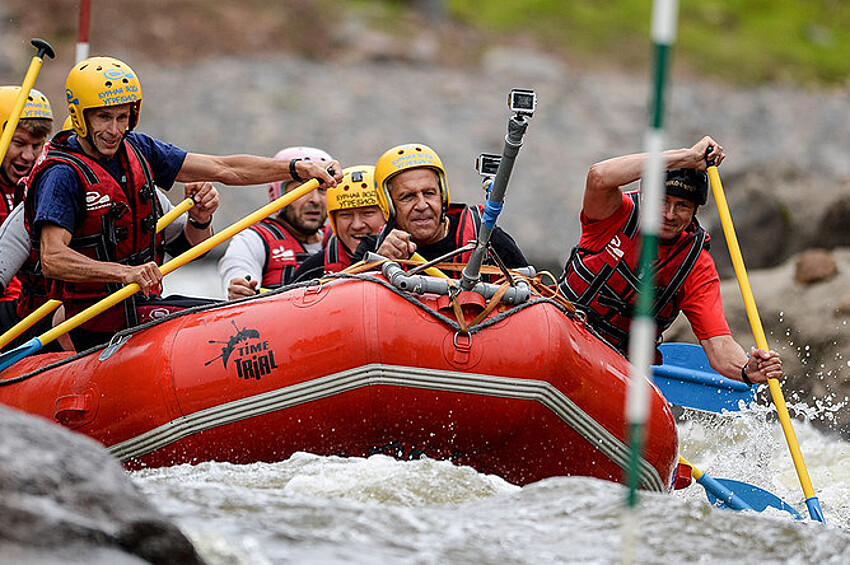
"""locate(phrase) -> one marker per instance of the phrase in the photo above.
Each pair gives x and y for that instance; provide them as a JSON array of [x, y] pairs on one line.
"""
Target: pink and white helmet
[[276, 189]]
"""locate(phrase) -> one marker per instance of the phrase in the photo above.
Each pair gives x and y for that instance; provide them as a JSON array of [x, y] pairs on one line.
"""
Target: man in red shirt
[[601, 276]]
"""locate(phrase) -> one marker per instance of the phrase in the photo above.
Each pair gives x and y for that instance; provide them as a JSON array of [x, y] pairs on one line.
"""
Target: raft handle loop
[[314, 289], [580, 316], [466, 346]]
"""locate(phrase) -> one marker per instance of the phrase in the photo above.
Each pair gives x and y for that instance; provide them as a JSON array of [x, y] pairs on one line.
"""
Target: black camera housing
[[522, 101], [487, 164]]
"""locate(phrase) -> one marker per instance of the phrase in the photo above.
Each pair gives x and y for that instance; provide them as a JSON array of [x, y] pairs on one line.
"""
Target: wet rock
[[833, 231], [815, 265], [64, 499], [762, 225]]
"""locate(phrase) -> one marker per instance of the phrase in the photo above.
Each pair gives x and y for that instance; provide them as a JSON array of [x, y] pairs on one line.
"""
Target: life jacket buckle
[[118, 209], [148, 224], [145, 194], [121, 233]]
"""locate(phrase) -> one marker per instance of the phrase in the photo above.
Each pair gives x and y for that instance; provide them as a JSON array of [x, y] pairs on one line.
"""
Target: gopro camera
[[487, 164], [522, 101]]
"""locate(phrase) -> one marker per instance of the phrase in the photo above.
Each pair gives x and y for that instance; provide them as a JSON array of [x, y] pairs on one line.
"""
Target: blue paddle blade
[[687, 379], [755, 498], [13, 356]]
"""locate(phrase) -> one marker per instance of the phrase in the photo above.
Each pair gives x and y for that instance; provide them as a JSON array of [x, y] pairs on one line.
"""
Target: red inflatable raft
[[354, 366]]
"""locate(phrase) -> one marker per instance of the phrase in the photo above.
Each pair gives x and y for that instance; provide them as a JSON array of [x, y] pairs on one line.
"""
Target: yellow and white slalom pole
[[642, 334]]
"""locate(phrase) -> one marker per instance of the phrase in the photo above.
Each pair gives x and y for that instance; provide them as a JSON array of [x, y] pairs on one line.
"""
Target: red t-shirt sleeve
[[701, 301], [596, 234]]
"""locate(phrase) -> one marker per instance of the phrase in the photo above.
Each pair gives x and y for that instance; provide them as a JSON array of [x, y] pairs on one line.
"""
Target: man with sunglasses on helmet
[[34, 126], [601, 278], [414, 194], [268, 253], [353, 213], [92, 208]]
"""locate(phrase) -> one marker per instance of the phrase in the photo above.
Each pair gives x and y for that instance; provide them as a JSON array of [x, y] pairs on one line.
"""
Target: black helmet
[[690, 184]]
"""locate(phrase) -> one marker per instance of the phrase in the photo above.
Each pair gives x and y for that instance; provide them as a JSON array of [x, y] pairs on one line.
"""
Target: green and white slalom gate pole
[[642, 340]]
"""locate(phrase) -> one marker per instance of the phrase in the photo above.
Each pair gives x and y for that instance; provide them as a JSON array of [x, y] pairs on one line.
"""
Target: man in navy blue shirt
[[91, 206]]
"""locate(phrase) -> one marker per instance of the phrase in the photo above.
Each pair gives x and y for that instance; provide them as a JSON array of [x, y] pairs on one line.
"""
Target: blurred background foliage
[[803, 42], [745, 42]]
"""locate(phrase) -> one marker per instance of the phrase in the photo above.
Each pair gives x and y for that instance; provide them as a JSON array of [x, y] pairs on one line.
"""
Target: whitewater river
[[312, 509]]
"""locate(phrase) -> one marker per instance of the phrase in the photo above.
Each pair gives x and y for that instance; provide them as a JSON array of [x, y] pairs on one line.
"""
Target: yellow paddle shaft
[[28, 321], [18, 108], [432, 271], [757, 328], [180, 260], [174, 213], [51, 305]]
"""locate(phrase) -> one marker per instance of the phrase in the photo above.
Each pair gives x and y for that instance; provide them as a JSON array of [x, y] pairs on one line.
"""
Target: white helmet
[[277, 188]]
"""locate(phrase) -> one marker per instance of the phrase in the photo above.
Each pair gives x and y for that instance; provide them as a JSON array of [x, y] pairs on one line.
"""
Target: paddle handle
[[239, 226], [174, 213], [761, 339], [29, 80], [737, 258]]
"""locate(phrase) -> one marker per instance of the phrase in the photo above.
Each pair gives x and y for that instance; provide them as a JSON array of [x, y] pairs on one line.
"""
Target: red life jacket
[[119, 224], [284, 253], [11, 196], [467, 229], [604, 283], [337, 257], [468, 221]]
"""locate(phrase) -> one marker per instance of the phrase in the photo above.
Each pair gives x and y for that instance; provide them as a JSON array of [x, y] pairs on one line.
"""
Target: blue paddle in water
[[687, 380], [738, 495]]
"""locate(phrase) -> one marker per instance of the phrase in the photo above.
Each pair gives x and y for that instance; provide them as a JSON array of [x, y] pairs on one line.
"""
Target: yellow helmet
[[401, 158], [356, 190], [36, 106], [101, 81]]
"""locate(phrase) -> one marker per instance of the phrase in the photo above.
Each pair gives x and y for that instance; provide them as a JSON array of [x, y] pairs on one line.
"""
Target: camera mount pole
[[495, 200]]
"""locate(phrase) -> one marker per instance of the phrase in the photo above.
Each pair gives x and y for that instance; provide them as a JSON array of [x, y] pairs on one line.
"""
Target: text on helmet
[[413, 160], [356, 200]]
